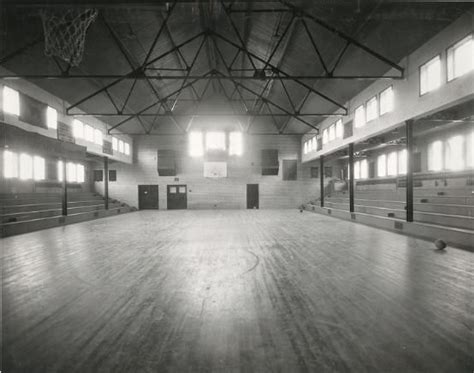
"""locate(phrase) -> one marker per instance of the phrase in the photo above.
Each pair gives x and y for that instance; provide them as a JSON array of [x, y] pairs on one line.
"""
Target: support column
[[351, 177], [64, 189], [106, 183], [321, 179], [409, 180]]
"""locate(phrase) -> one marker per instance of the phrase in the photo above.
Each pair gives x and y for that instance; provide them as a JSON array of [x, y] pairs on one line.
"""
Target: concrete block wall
[[222, 193]]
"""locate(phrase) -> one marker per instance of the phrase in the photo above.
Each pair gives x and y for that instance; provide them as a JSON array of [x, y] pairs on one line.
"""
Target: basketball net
[[65, 32]]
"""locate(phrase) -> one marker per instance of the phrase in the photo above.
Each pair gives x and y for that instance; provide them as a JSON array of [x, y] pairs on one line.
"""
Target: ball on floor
[[440, 244]]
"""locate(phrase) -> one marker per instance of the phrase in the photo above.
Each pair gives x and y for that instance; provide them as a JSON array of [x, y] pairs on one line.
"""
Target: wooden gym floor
[[225, 291]]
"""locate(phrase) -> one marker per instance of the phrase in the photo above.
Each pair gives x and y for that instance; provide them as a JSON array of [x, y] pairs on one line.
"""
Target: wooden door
[[177, 197], [147, 197], [252, 196]]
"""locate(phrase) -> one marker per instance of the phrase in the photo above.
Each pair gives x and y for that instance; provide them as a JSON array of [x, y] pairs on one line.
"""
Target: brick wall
[[223, 193]]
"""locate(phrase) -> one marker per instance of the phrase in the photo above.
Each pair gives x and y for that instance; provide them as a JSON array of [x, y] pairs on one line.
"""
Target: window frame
[[380, 100], [452, 46], [367, 120], [49, 111], [436, 57], [363, 115], [75, 129], [17, 105]]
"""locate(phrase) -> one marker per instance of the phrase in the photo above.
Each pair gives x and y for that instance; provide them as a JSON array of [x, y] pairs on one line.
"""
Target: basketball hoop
[[65, 32]]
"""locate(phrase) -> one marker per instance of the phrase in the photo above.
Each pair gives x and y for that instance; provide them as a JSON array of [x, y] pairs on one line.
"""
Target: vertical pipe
[[351, 177], [321, 178], [106, 183], [64, 189], [409, 183]]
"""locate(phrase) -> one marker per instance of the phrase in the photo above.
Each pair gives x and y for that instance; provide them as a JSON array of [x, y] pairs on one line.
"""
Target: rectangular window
[[454, 153], [114, 143], [196, 148], [39, 169], [470, 148], [10, 164], [332, 132], [364, 169], [26, 167], [60, 171], [52, 117], [78, 129], [121, 146], [461, 58], [357, 170], [386, 101], [313, 143], [435, 156], [430, 75], [71, 172], [127, 148], [339, 129], [402, 162], [235, 143], [88, 133], [372, 109], [359, 116], [11, 101], [392, 164], [325, 136], [98, 137], [215, 141], [80, 173], [305, 147], [382, 165]]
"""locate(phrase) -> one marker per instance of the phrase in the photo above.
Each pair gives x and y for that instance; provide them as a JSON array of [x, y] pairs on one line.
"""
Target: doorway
[[148, 197], [177, 197], [252, 196]]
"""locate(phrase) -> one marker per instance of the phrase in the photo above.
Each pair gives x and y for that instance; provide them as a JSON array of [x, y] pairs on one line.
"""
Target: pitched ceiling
[[201, 44]]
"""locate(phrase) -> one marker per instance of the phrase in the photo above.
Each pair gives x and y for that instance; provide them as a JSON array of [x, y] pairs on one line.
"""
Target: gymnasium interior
[[237, 186]]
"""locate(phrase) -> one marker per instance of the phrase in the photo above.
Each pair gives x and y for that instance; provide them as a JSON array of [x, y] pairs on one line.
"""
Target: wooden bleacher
[[27, 212]]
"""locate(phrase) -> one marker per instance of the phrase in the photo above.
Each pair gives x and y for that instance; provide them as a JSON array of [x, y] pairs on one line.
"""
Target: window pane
[[52, 117], [114, 143], [121, 146], [235, 143], [26, 167], [88, 133], [454, 153], [386, 101], [60, 171], [10, 164], [382, 165], [80, 173], [364, 169], [305, 147], [98, 137], [71, 175], [435, 156], [402, 162], [127, 148], [392, 166], [313, 143], [325, 136], [461, 58], [195, 144], [38, 168], [359, 118], [372, 109], [430, 75], [215, 141], [332, 132], [78, 129], [339, 129], [11, 101], [357, 170]]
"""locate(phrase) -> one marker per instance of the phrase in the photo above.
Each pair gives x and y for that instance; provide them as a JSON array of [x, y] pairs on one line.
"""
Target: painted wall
[[223, 193], [408, 104]]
